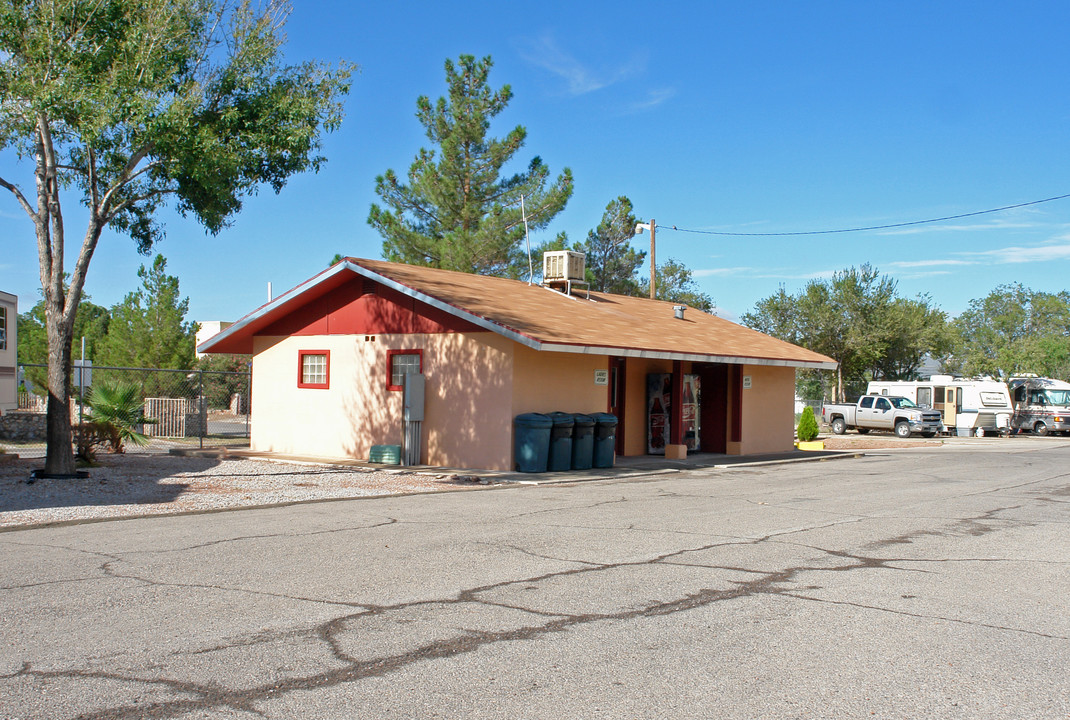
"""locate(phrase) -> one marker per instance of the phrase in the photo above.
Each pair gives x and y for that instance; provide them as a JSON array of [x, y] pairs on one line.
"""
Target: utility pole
[[653, 266], [652, 227]]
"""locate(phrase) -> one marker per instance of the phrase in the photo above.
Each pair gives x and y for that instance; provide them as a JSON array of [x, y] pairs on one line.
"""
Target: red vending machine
[[659, 411]]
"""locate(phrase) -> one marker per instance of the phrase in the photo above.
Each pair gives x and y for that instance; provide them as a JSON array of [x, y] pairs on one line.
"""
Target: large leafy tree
[[857, 318], [457, 210], [612, 263], [90, 323], [127, 104], [148, 329], [1014, 329]]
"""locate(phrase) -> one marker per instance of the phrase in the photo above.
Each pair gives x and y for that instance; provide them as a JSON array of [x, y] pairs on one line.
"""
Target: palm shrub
[[117, 409], [807, 429]]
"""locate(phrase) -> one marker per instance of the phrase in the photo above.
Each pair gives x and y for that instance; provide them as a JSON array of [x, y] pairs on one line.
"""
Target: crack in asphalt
[[924, 616], [211, 696]]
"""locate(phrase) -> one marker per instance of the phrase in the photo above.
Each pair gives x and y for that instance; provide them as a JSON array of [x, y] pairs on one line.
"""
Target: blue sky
[[758, 117]]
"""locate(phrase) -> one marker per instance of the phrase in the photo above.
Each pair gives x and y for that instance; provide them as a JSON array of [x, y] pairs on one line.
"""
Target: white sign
[[83, 373], [601, 377], [746, 382]]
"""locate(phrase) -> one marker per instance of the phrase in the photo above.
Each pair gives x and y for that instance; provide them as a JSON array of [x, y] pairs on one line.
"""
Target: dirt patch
[[126, 485], [874, 441]]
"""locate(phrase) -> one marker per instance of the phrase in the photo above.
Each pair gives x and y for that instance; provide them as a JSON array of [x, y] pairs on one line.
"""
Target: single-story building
[[9, 313], [330, 358]]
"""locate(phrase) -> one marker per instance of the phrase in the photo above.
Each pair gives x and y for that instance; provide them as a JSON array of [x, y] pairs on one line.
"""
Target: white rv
[[968, 407], [9, 312], [1041, 405]]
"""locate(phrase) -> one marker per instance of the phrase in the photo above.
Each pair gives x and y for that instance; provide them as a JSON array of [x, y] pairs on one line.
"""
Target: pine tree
[[612, 262], [148, 328], [457, 210]]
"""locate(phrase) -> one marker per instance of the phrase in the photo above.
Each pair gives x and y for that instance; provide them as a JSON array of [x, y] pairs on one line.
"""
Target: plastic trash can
[[560, 441], [582, 441], [532, 442], [605, 439]]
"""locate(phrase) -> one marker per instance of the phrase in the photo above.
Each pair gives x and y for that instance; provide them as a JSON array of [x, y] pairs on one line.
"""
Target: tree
[[675, 284], [457, 211], [1014, 330], [857, 319], [148, 328], [90, 322], [133, 103], [612, 263], [914, 329]]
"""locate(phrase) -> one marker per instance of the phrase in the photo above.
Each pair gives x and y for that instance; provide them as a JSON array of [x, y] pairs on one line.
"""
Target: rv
[[1041, 405], [968, 407]]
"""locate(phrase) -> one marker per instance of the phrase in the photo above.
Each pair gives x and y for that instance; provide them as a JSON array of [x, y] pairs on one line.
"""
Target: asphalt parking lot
[[920, 582]]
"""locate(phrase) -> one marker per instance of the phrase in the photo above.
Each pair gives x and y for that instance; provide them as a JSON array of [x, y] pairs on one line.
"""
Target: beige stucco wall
[[551, 381], [768, 411], [468, 398]]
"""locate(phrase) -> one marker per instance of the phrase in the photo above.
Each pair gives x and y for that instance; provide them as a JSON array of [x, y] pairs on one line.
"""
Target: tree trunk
[[59, 456]]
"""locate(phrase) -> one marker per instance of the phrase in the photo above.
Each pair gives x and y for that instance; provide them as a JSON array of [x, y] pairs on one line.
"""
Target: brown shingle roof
[[606, 321], [545, 319]]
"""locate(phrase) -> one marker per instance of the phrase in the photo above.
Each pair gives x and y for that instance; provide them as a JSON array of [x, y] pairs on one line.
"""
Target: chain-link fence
[[184, 408]]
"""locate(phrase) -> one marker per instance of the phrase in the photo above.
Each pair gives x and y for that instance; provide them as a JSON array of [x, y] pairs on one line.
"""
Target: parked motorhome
[[968, 407], [1041, 405]]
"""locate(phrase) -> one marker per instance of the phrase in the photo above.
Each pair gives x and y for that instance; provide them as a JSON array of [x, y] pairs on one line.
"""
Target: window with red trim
[[400, 363], [314, 369]]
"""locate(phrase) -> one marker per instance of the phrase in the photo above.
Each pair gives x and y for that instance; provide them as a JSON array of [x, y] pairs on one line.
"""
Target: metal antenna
[[531, 268]]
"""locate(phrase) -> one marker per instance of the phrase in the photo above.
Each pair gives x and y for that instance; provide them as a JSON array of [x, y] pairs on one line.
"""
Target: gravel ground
[[128, 485]]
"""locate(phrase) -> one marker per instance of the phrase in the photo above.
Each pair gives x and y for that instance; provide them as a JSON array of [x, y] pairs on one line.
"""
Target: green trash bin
[[532, 442], [560, 441], [605, 439], [582, 441]]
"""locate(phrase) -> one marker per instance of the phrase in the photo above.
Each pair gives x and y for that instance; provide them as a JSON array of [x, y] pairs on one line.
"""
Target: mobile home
[[1041, 405], [968, 407]]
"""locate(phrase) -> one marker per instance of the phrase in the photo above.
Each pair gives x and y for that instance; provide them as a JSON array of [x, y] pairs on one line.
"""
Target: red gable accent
[[361, 307]]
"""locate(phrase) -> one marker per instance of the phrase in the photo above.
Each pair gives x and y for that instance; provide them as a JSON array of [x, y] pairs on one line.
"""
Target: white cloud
[[927, 263], [653, 99], [544, 52], [1040, 253]]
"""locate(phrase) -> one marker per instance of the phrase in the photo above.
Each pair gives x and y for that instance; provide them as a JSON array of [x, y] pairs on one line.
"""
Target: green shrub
[[807, 429]]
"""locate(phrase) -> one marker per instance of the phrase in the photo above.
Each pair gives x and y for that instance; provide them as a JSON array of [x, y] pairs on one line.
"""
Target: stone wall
[[23, 426]]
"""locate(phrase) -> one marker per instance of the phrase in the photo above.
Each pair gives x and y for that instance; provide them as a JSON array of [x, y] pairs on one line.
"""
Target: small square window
[[314, 367], [399, 364]]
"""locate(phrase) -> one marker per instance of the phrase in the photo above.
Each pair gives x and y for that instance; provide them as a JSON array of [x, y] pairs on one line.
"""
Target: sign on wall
[[746, 382], [601, 377]]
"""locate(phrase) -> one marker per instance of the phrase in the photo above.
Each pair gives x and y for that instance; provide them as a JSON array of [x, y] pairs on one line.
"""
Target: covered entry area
[[677, 407]]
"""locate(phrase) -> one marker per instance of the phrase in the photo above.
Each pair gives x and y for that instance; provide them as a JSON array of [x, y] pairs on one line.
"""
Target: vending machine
[[659, 411]]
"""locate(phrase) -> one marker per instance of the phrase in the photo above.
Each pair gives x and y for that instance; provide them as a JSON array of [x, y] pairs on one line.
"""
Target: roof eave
[[692, 357]]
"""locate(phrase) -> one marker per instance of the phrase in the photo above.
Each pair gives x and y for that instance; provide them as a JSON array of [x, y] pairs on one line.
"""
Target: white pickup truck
[[882, 412]]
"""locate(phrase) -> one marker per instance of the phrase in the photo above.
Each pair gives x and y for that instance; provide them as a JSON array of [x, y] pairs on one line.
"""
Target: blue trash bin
[[560, 441], [582, 441], [605, 439], [532, 442]]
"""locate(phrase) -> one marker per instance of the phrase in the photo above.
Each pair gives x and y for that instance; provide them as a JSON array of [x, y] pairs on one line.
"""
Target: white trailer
[[968, 406], [1041, 405], [9, 312]]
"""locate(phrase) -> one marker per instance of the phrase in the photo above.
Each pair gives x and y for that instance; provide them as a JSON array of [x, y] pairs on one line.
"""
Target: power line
[[864, 229]]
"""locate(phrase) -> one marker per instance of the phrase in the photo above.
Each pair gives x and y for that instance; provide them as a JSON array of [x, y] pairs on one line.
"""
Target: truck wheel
[[839, 427], [1040, 429], [902, 429], [863, 431]]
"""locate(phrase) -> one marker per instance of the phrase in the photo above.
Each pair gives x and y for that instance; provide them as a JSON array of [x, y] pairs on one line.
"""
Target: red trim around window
[[326, 384], [390, 365]]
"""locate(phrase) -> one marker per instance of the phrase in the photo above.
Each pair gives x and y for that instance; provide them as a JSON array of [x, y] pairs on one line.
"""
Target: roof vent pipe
[[678, 311]]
